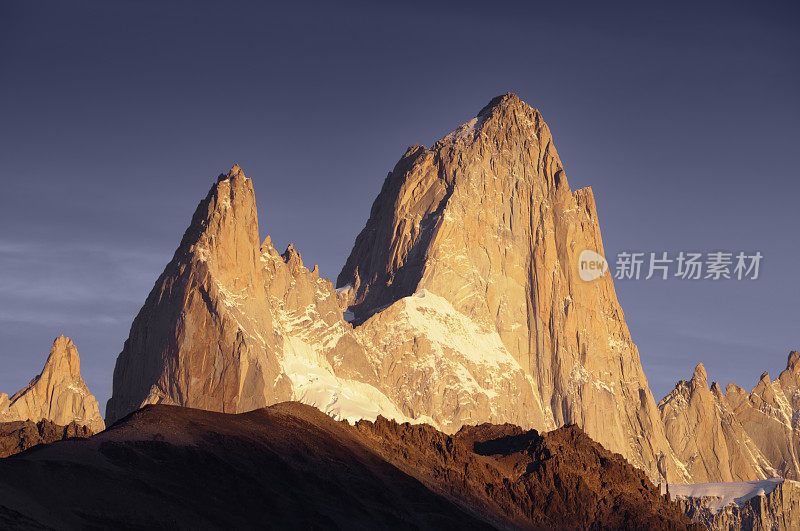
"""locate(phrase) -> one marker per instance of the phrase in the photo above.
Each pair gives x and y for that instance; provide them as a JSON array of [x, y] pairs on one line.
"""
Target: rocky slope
[[735, 435], [291, 466], [757, 505], [16, 437], [58, 394], [561, 479]]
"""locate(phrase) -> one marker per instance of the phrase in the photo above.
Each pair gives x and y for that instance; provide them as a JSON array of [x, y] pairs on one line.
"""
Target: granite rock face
[[485, 220], [461, 302], [757, 505], [204, 335], [232, 326], [735, 435], [58, 394]]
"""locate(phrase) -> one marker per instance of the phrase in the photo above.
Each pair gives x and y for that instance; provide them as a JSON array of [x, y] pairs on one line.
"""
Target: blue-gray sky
[[115, 118]]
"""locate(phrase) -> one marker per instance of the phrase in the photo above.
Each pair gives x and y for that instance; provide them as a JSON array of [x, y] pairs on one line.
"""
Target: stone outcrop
[[58, 394], [16, 437], [204, 335], [559, 480], [758, 505], [735, 435], [232, 325], [485, 220]]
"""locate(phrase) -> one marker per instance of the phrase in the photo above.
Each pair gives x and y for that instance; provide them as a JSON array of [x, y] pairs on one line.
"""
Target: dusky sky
[[116, 118]]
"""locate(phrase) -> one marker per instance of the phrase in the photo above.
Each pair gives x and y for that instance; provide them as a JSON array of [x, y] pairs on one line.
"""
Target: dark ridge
[[290, 466]]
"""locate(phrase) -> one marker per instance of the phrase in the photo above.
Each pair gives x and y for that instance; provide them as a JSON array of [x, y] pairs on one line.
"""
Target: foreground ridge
[[301, 468], [18, 436]]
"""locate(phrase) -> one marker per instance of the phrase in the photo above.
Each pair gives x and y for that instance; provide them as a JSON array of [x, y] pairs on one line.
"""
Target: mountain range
[[460, 304]]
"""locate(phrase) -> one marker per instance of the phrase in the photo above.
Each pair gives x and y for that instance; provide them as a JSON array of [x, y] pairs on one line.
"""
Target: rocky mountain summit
[[292, 467], [58, 394], [486, 220]]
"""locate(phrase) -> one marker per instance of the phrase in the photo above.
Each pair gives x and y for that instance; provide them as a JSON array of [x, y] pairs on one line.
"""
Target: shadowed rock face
[[736, 435], [291, 466], [58, 394], [16, 437], [561, 479]]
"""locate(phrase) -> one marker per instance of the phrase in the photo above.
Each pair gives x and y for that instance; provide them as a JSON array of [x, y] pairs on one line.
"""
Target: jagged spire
[[58, 394], [700, 376], [63, 358], [793, 363]]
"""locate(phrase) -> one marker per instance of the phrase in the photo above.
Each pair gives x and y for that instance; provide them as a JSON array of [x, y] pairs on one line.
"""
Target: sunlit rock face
[[763, 504], [203, 336], [485, 220], [58, 394], [735, 435], [232, 325], [460, 303]]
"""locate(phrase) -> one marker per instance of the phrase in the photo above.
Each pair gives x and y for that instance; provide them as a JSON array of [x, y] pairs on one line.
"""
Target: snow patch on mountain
[[314, 383], [435, 318], [720, 495]]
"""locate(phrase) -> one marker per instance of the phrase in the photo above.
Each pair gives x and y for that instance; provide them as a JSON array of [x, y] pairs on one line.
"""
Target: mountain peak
[[63, 358], [225, 221], [700, 374], [192, 325], [292, 257], [504, 101], [793, 363], [235, 171], [479, 220], [502, 114], [58, 394]]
